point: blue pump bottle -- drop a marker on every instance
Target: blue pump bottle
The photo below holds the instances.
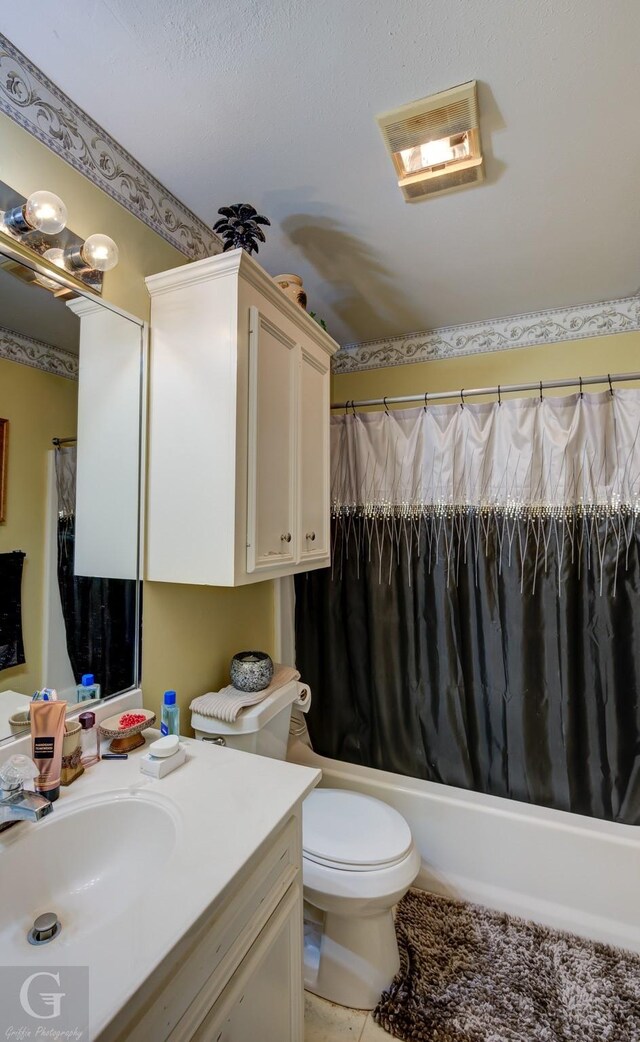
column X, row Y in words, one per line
column 170, row 722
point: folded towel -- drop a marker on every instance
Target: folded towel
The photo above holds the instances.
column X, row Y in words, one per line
column 227, row 703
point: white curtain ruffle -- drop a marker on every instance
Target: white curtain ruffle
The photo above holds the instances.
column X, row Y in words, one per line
column 550, row 455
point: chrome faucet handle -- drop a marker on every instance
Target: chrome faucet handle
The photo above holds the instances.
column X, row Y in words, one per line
column 15, row 772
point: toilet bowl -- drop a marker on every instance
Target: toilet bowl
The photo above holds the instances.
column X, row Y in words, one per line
column 359, row 859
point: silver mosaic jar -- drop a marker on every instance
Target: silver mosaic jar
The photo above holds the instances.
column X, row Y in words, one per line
column 251, row 671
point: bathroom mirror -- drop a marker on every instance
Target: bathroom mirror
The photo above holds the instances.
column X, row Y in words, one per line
column 71, row 392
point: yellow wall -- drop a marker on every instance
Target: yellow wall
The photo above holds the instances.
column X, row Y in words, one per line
column 592, row 357
column 39, row 407
column 189, row 633
column 194, row 632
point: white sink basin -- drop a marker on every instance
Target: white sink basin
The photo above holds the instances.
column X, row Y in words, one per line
column 88, row 862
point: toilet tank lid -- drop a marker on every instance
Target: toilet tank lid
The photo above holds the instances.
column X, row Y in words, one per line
column 349, row 828
column 254, row 717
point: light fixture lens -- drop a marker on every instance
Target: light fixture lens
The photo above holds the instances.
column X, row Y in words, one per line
column 100, row 253
column 435, row 153
column 45, row 212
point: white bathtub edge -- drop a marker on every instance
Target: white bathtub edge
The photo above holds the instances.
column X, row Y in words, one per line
column 561, row 870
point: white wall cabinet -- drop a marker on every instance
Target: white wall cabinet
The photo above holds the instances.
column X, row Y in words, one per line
column 238, row 479
column 108, row 460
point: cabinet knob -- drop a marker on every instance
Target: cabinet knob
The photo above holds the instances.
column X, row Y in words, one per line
column 286, row 538
column 311, row 536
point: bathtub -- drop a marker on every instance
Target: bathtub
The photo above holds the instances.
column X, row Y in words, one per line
column 562, row 870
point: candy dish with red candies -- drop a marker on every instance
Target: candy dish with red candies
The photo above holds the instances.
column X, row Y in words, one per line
column 125, row 729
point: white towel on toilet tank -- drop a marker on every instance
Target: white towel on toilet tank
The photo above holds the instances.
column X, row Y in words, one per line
column 227, row 703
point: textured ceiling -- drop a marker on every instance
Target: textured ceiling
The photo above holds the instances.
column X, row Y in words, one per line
column 274, row 102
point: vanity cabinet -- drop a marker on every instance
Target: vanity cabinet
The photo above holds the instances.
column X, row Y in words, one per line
column 260, row 1001
column 239, row 977
column 238, row 477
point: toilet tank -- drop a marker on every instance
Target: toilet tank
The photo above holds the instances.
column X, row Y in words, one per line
column 262, row 729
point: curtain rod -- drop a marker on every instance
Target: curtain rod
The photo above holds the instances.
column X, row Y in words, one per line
column 62, row 441
column 499, row 389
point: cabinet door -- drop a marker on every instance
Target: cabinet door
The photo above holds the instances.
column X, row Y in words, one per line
column 271, row 536
column 313, row 481
column 264, row 1000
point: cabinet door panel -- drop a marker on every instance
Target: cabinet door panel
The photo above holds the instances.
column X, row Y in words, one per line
column 271, row 537
column 314, row 455
column 264, row 998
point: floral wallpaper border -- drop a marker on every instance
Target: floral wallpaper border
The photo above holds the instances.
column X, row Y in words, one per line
column 16, row 347
column 29, row 98
column 539, row 327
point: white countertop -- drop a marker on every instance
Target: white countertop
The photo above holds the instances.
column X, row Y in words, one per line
column 224, row 805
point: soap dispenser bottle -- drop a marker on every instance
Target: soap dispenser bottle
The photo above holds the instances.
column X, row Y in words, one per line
column 88, row 688
column 170, row 723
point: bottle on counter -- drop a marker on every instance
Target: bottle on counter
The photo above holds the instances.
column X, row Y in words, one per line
column 88, row 688
column 89, row 739
column 170, row 721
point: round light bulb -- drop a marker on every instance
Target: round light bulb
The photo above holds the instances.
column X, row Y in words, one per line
column 100, row 253
column 54, row 256
column 45, row 212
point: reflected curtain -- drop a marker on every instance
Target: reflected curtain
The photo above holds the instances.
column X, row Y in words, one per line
column 11, row 640
column 99, row 613
column 480, row 624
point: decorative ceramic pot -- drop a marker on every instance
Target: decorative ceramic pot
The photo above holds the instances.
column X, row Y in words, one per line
column 292, row 286
column 71, row 754
column 20, row 720
column 251, row 671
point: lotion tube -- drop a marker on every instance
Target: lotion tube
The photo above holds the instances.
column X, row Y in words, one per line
column 47, row 734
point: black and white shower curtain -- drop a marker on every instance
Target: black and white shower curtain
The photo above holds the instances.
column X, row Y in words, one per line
column 480, row 624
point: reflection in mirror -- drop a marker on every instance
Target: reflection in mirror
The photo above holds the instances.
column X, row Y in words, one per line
column 70, row 391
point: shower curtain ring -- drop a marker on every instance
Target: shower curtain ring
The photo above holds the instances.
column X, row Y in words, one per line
column 581, row 392
column 610, row 384
column 462, row 398
column 499, row 396
column 541, row 397
column 425, row 400
column 386, row 407
column 353, row 407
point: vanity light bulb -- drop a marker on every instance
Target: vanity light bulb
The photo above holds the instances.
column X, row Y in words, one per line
column 45, row 212
column 100, row 253
column 55, row 256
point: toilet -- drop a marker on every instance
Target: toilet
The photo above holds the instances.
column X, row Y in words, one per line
column 359, row 859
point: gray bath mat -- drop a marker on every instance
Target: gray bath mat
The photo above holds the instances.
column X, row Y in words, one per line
column 469, row 974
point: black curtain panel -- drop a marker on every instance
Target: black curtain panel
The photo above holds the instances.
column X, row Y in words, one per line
column 459, row 667
column 100, row 619
column 11, row 642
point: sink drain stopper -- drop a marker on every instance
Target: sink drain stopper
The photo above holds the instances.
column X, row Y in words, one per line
column 45, row 928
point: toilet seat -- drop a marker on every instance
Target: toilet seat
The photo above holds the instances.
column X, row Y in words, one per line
column 351, row 832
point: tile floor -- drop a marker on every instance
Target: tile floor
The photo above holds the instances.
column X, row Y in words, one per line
column 326, row 1022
